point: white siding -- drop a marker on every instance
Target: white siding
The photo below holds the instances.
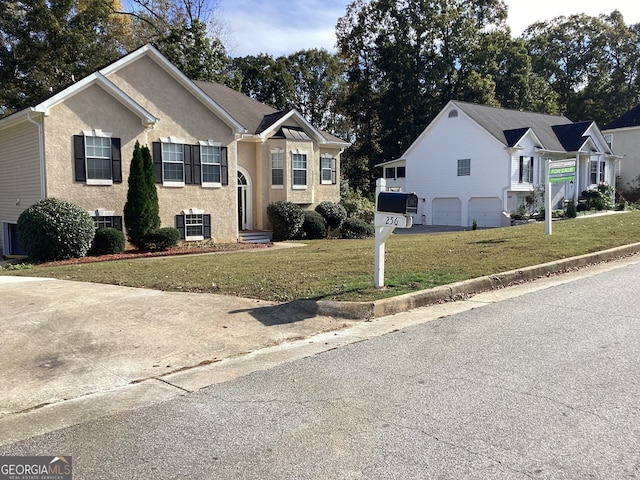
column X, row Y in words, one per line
column 627, row 143
column 19, row 170
column 432, row 163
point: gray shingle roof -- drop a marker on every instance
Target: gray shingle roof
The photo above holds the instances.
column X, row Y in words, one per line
column 248, row 112
column 255, row 116
column 505, row 125
column 628, row 119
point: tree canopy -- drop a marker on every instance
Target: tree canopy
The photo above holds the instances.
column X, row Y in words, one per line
column 398, row 62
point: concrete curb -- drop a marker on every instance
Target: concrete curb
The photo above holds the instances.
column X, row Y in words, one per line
column 459, row 290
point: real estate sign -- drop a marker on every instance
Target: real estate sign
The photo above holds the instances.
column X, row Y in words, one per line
column 562, row 171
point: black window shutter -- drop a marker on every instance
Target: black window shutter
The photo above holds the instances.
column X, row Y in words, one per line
column 206, row 226
column 521, row 167
column 224, row 167
column 180, row 225
column 116, row 160
column 117, row 222
column 334, row 171
column 196, row 169
column 157, row 161
column 78, row 156
column 188, row 171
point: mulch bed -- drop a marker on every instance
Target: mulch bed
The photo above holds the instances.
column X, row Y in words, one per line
column 133, row 254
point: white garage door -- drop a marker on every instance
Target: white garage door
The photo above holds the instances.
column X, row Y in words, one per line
column 486, row 211
column 446, row 211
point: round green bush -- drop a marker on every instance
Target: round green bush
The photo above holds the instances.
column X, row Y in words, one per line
column 53, row 229
column 333, row 214
column 313, row 226
column 161, row 239
column 356, row 228
column 286, row 219
column 107, row 241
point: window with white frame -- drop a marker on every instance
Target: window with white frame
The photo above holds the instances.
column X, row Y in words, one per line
column 401, row 172
column 597, row 172
column 98, row 158
column 277, row 168
column 210, row 160
column 526, row 170
column 464, row 167
column 326, row 169
column 389, row 172
column 105, row 219
column 299, row 169
column 193, row 224
column 173, row 163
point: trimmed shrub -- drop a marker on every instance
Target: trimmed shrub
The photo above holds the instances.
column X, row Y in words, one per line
column 356, row 228
column 286, row 219
column 53, row 229
column 313, row 225
column 161, row 239
column 333, row 214
column 571, row 211
column 107, row 241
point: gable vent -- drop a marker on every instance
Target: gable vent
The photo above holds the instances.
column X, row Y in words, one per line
column 453, row 113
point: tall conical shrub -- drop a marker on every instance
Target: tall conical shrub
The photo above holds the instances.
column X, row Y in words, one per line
column 141, row 212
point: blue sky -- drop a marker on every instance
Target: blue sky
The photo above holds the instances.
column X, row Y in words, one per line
column 281, row 27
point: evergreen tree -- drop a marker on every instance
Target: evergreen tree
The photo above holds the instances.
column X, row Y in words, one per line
column 141, row 210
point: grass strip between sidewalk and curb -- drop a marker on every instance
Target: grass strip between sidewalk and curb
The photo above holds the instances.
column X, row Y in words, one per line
column 342, row 270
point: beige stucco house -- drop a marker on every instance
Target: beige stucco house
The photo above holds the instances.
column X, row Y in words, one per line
column 220, row 157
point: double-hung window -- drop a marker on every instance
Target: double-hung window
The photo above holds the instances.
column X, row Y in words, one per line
column 193, row 224
column 390, row 172
column 327, row 169
column 597, row 175
column 464, row 167
column 210, row 159
column 173, row 163
column 299, row 169
column 277, row 168
column 98, row 155
column 97, row 158
column 526, row 170
column 105, row 219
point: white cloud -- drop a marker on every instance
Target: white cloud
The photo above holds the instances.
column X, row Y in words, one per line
column 281, row 27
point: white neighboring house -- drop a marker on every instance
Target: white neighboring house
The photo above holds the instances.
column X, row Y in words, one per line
column 623, row 135
column 475, row 162
column 394, row 172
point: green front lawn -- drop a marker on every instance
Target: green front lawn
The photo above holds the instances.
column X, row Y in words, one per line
column 343, row 269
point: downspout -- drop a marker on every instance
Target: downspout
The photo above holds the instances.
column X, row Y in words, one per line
column 41, row 153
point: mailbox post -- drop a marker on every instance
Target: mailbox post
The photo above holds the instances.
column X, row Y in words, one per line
column 393, row 210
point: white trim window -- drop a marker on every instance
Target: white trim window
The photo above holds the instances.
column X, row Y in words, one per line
column 193, row 224
column 299, row 170
column 172, row 162
column 464, row 167
column 277, row 168
column 526, row 170
column 326, row 169
column 211, row 161
column 98, row 158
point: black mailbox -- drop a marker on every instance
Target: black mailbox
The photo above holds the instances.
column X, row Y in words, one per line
column 396, row 202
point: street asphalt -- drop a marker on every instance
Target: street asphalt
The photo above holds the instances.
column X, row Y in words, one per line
column 76, row 351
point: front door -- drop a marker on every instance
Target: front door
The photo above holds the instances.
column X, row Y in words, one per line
column 243, row 202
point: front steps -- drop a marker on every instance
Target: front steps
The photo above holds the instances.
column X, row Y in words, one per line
column 255, row 236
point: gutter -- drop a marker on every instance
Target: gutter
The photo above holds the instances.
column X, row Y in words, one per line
column 41, row 153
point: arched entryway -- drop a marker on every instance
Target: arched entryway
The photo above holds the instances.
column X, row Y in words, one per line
column 245, row 220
